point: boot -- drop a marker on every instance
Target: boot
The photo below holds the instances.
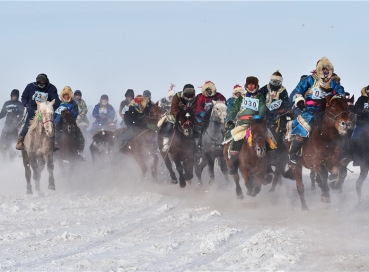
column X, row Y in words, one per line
column 165, row 144
column 295, row 147
column 19, row 145
column 268, row 175
column 234, row 163
column 56, row 146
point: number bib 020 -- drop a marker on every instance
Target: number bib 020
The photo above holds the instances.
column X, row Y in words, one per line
column 318, row 93
column 366, row 105
column 275, row 105
column 250, row 103
column 40, row 96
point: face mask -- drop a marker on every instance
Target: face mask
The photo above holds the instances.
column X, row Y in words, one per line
column 276, row 83
column 41, row 85
column 209, row 92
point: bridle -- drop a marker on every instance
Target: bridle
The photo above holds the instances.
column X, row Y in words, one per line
column 335, row 116
column 181, row 127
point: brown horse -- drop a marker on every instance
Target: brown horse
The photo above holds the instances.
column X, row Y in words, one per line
column 182, row 147
column 323, row 150
column 253, row 161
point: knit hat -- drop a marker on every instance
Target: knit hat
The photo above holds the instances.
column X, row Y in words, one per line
column 14, row 92
column 238, row 89
column 78, row 92
column 104, row 97
column 130, row 93
column 276, row 76
column 252, row 80
column 42, row 77
column 147, row 94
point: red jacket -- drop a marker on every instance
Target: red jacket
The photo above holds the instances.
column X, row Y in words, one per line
column 202, row 100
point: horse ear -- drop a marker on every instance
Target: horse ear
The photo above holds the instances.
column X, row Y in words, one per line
column 214, row 103
column 52, row 102
column 157, row 103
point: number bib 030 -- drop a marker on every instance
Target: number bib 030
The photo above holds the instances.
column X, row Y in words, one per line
column 250, row 103
column 275, row 105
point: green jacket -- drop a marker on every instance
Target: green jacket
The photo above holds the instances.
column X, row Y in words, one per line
column 82, row 110
column 239, row 109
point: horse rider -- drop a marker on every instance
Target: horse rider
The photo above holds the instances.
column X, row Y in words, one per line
column 310, row 93
column 166, row 101
column 104, row 114
column 236, row 93
column 41, row 90
column 13, row 110
column 181, row 101
column 133, row 119
column 247, row 106
column 82, row 119
column 204, row 106
column 68, row 104
column 361, row 108
column 123, row 107
column 147, row 94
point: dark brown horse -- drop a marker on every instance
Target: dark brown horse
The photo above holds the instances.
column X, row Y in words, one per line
column 182, row 147
column 323, row 150
column 253, row 161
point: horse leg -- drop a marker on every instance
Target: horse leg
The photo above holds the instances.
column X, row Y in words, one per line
column 168, row 164
column 211, row 168
column 312, row 178
column 224, row 169
column 188, row 169
column 139, row 159
column 27, row 168
column 337, row 184
column 359, row 183
column 179, row 167
column 276, row 178
column 323, row 173
column 50, row 169
column 297, row 173
column 236, row 179
column 36, row 172
column 200, row 167
column 154, row 167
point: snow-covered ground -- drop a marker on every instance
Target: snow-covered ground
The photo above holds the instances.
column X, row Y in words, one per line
column 104, row 220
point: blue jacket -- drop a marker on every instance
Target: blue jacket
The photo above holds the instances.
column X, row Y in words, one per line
column 107, row 115
column 29, row 102
column 230, row 102
column 70, row 106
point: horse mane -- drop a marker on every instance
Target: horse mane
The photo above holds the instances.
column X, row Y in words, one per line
column 34, row 122
column 45, row 106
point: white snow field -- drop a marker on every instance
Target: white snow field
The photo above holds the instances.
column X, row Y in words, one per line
column 105, row 220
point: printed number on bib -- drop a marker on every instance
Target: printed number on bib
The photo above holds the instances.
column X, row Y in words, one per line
column 318, row 93
column 40, row 96
column 250, row 103
column 60, row 109
column 366, row 105
column 275, row 105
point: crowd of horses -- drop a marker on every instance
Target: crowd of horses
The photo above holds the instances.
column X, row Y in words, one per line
column 327, row 150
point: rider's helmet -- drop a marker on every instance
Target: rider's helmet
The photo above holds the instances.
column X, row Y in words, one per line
column 208, row 89
column 188, row 92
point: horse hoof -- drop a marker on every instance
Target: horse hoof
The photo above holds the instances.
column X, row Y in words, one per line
column 251, row 194
column 325, row 199
column 271, row 190
column 29, row 192
column 211, row 182
column 51, row 187
column 240, row 197
column 268, row 180
column 333, row 185
column 182, row 184
column 174, row 181
column 304, row 208
column 188, row 182
column 40, row 194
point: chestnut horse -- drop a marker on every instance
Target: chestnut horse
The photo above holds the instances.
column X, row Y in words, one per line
column 182, row 147
column 322, row 152
column 253, row 161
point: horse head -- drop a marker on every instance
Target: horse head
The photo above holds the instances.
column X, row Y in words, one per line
column 45, row 114
column 68, row 122
column 185, row 122
column 337, row 113
column 219, row 111
column 259, row 134
column 153, row 113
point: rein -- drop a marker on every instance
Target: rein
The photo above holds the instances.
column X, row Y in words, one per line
column 52, row 121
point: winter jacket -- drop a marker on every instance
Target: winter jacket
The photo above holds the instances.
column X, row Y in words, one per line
column 82, row 111
column 276, row 101
column 230, row 103
column 361, row 104
column 133, row 117
column 205, row 103
column 103, row 113
column 28, row 98
column 66, row 106
column 13, row 110
column 179, row 102
column 241, row 111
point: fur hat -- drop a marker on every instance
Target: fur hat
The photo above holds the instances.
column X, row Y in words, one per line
column 66, row 90
column 170, row 93
column 364, row 91
column 139, row 103
column 238, row 89
column 15, row 92
column 252, row 80
column 324, row 63
column 104, row 97
column 130, row 93
column 42, row 77
column 208, row 85
column 276, row 76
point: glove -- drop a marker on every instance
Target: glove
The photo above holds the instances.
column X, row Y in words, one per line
column 301, row 105
column 229, row 124
column 257, row 117
column 208, row 106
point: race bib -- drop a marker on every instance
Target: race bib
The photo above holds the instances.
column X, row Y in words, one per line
column 60, row 109
column 250, row 103
column 275, row 105
column 366, row 105
column 318, row 93
column 40, row 96
column 125, row 109
column 10, row 108
column 103, row 111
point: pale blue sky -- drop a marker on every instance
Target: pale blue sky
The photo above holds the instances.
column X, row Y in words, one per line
column 107, row 47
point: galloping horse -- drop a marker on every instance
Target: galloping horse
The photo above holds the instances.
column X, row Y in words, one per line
column 182, row 147
column 39, row 145
column 212, row 142
column 253, row 161
column 323, row 150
